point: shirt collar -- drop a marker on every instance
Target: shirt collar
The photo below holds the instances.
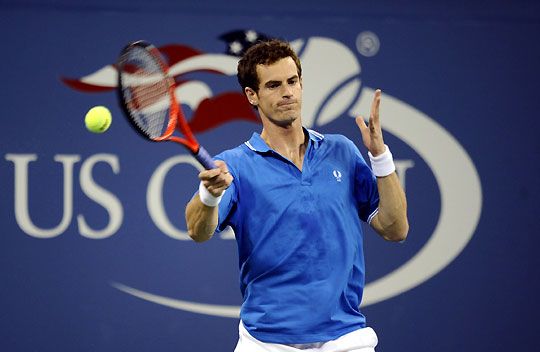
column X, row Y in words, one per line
column 257, row 144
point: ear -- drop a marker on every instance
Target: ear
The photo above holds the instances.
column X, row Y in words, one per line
column 252, row 96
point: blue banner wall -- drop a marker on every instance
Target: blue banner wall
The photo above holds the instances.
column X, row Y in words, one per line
column 94, row 254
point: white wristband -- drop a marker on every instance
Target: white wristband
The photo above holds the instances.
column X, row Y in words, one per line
column 382, row 165
column 207, row 198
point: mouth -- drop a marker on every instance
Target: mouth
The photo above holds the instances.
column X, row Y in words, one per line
column 287, row 103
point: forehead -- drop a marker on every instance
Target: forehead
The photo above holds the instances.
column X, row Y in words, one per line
column 280, row 70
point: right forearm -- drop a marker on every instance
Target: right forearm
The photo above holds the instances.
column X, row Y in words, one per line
column 201, row 220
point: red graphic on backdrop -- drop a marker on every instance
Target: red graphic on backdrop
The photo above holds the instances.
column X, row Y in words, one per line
column 210, row 112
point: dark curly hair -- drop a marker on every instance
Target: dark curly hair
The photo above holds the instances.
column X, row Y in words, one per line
column 263, row 53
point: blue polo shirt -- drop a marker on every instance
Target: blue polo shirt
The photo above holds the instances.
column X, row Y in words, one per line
column 299, row 237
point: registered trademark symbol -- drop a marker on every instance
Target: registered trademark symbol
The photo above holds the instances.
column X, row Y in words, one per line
column 367, row 43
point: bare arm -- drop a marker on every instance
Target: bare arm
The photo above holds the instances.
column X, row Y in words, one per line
column 201, row 219
column 391, row 220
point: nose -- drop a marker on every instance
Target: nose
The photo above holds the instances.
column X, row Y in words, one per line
column 286, row 91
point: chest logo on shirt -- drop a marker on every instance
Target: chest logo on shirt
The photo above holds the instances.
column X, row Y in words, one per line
column 337, row 175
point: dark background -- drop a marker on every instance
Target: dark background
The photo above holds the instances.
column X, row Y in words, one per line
column 470, row 66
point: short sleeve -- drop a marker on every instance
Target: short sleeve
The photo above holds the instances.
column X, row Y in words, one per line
column 227, row 208
column 366, row 193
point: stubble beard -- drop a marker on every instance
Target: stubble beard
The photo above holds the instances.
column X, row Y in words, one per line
column 285, row 119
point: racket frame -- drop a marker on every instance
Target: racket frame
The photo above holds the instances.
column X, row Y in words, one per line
column 177, row 120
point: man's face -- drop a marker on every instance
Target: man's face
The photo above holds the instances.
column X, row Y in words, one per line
column 279, row 98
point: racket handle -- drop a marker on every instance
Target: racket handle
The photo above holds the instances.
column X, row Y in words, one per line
column 205, row 159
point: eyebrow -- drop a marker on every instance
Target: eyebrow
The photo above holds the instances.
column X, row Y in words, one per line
column 269, row 83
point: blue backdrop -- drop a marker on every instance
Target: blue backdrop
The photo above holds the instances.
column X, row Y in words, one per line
column 93, row 251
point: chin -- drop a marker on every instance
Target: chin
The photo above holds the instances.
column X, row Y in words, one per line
column 287, row 120
column 283, row 118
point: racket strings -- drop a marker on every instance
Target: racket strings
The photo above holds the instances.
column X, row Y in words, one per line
column 152, row 107
column 146, row 90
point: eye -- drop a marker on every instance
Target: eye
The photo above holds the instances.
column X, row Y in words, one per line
column 293, row 81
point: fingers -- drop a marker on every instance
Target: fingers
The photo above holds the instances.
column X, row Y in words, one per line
column 220, row 169
column 216, row 180
column 222, row 166
column 374, row 114
column 209, row 174
column 376, row 101
column 364, row 131
column 361, row 123
column 371, row 132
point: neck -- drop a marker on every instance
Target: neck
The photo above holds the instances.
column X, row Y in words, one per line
column 288, row 141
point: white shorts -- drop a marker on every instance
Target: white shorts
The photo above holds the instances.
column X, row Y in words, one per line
column 361, row 340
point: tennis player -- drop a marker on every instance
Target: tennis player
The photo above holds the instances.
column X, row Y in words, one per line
column 295, row 199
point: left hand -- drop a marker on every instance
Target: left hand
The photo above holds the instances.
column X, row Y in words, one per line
column 372, row 133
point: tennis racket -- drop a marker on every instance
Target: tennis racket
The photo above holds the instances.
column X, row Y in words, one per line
column 147, row 97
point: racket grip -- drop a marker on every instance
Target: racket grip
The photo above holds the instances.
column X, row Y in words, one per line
column 205, row 159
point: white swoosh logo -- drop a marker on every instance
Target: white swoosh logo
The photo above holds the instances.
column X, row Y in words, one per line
column 208, row 309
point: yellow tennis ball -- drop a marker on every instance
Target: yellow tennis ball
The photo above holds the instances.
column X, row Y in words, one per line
column 98, row 119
